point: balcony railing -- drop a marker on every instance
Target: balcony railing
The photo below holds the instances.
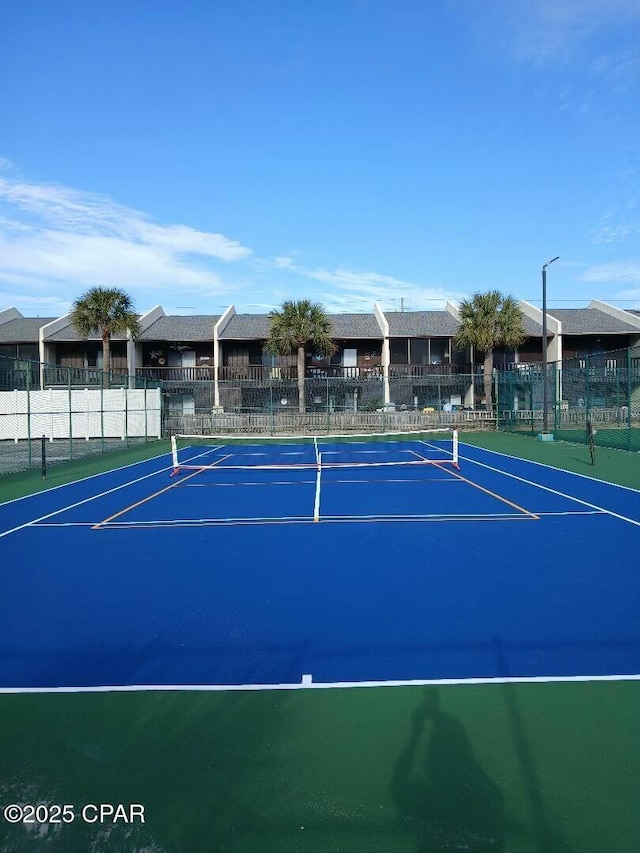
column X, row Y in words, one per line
column 256, row 372
column 418, row 371
column 277, row 372
column 82, row 377
column 176, row 374
column 262, row 373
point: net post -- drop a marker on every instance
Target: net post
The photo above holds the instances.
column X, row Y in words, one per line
column 69, row 398
column 43, row 456
column 28, row 387
column 174, row 456
column 316, row 504
column 454, row 448
column 591, row 442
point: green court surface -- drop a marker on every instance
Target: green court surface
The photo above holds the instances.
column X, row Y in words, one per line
column 497, row 767
column 533, row 767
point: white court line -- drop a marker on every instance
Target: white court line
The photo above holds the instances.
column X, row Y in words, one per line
column 553, row 491
column 306, row 519
column 316, row 502
column 307, row 683
column 35, row 521
column 247, row 483
column 186, row 522
column 552, row 467
column 89, row 477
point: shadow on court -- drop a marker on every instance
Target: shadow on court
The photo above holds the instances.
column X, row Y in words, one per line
column 441, row 790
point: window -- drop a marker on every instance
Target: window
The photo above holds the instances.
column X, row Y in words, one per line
column 419, row 351
column 399, row 350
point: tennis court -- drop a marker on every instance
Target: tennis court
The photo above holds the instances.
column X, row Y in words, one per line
column 233, row 596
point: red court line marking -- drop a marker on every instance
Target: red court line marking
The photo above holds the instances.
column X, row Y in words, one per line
column 148, row 498
column 555, row 491
column 489, row 492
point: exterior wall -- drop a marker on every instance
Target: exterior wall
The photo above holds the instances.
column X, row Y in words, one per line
column 28, row 352
column 157, row 353
column 89, row 354
column 574, row 346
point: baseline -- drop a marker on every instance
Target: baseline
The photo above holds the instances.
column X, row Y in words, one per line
column 307, row 683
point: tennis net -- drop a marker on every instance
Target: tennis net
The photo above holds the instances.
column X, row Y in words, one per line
column 197, row 452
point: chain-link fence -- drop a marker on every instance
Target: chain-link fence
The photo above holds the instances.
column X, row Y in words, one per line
column 330, row 404
column 78, row 411
column 602, row 389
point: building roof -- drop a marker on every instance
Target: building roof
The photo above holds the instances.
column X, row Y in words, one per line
column 242, row 327
column 590, row 321
column 433, row 324
column 532, row 328
column 354, row 326
column 23, row 330
column 70, row 333
column 348, row 326
column 198, row 327
column 426, row 324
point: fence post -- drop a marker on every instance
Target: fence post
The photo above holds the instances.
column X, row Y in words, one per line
column 328, row 406
column 629, row 395
column 146, row 419
column 126, row 417
column 28, row 389
column 70, row 416
column 556, row 399
column 587, row 389
column 271, row 409
column 102, row 411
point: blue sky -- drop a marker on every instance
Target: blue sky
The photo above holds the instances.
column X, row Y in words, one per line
column 348, row 151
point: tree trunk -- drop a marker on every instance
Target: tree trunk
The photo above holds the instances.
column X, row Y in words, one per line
column 106, row 359
column 488, row 380
column 301, row 401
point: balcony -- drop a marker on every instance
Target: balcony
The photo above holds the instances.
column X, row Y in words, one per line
column 256, row 372
column 423, row 371
column 290, row 372
column 82, row 377
column 176, row 374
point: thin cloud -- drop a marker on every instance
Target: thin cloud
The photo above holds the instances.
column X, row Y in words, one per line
column 629, row 273
column 358, row 290
column 57, row 237
column 31, row 305
column 548, row 32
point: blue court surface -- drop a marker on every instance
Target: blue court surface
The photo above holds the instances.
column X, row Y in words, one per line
column 256, row 572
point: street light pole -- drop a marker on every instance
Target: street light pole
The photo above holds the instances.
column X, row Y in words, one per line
column 545, row 382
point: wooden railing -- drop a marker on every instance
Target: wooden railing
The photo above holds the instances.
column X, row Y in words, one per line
column 82, row 377
column 176, row 374
column 416, row 371
column 256, row 372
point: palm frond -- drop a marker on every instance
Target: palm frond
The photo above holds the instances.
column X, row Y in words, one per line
column 105, row 310
column 489, row 320
column 299, row 324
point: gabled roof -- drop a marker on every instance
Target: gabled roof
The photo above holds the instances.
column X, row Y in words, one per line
column 23, row 330
column 243, row 327
column 532, row 328
column 354, row 326
column 198, row 327
column 426, row 324
column 70, row 333
column 590, row 321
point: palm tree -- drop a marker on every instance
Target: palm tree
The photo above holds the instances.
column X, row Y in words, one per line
column 295, row 327
column 489, row 320
column 108, row 311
